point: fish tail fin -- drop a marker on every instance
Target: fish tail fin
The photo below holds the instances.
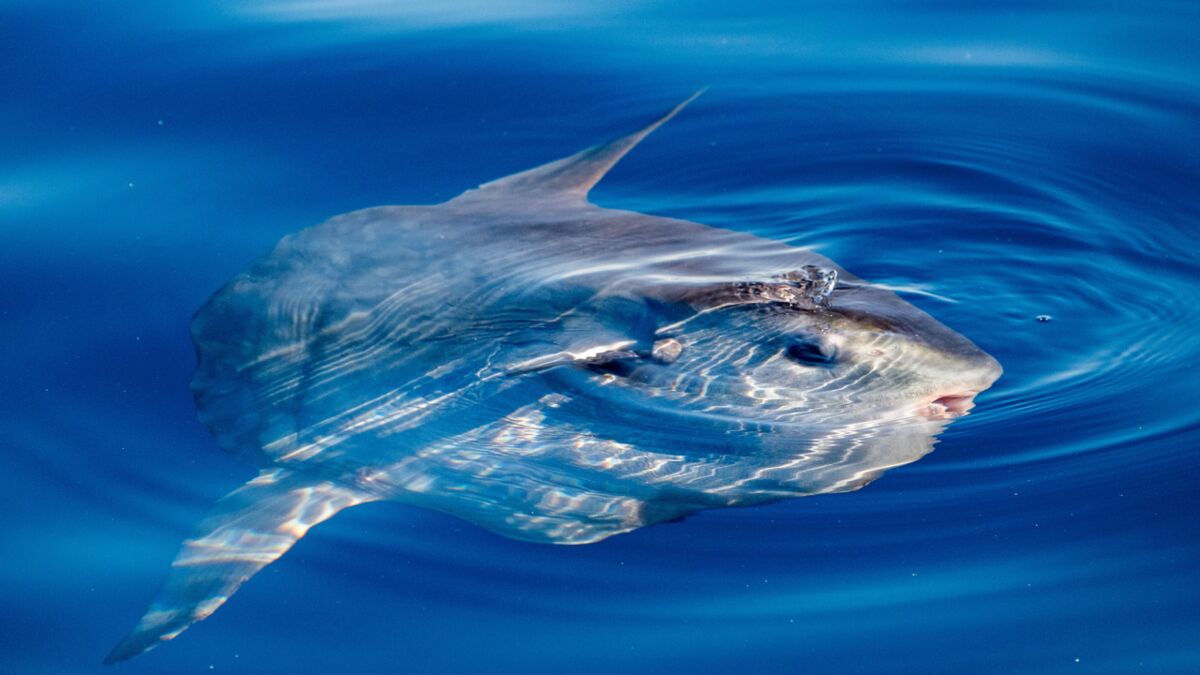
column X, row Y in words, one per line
column 246, row 531
column 574, row 176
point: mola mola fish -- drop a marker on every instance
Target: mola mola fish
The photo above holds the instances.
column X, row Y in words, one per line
column 548, row 369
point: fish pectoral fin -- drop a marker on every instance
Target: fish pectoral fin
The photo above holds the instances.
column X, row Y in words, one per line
column 247, row 530
column 583, row 356
column 606, row 328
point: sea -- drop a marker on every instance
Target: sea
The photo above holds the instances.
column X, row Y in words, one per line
column 1026, row 172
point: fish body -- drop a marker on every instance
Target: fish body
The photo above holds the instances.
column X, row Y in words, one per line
column 546, row 368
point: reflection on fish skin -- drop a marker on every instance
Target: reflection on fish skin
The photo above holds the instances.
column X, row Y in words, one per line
column 548, row 369
column 532, row 461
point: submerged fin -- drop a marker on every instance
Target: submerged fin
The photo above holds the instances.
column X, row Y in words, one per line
column 585, row 356
column 574, row 176
column 247, row 530
column 603, row 329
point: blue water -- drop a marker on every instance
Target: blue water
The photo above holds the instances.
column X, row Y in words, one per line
column 998, row 164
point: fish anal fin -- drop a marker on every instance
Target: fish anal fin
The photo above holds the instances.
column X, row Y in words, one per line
column 247, row 530
column 572, row 177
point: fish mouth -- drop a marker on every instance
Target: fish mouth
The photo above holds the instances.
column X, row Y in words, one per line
column 949, row 406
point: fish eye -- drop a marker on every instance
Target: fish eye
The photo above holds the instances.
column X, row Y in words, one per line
column 809, row 353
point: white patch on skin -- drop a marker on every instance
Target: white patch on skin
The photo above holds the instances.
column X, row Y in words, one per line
column 667, row 351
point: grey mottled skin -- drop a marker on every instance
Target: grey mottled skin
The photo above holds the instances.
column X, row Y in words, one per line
column 548, row 369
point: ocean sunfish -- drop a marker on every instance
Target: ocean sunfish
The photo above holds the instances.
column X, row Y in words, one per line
column 548, row 369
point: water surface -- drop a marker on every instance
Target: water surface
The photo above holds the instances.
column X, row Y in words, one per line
column 992, row 165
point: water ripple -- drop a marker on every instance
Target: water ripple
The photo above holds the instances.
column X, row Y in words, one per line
column 1038, row 162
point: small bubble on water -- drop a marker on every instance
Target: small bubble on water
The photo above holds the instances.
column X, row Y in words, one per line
column 1043, row 318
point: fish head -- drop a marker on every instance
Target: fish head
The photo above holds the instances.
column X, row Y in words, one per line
column 907, row 358
column 803, row 345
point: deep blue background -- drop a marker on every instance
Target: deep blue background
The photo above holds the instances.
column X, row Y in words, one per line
column 1001, row 163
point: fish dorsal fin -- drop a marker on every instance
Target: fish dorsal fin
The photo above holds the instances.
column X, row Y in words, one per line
column 572, row 177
